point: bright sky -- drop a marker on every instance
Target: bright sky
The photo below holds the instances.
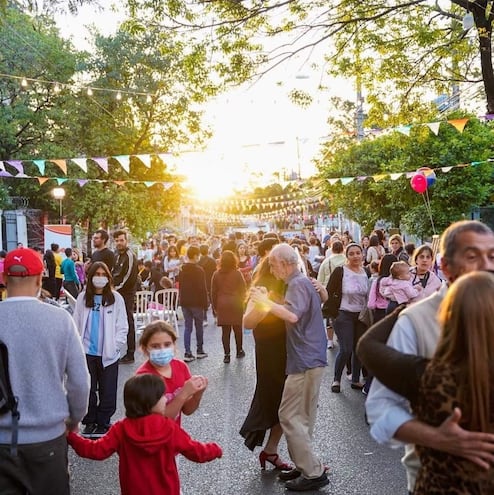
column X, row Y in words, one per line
column 246, row 122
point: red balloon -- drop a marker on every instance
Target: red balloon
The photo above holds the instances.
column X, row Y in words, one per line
column 419, row 183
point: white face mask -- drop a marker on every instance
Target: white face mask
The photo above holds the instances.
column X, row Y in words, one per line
column 100, row 282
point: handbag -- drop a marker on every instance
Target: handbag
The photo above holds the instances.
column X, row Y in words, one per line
column 366, row 316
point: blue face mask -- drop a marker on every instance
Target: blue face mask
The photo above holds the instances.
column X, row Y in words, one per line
column 161, row 357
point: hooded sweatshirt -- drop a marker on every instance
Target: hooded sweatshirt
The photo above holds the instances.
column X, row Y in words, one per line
column 147, row 447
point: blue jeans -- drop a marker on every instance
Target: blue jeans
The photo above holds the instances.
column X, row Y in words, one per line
column 345, row 326
column 196, row 316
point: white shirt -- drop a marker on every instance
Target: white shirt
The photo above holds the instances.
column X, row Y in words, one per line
column 386, row 410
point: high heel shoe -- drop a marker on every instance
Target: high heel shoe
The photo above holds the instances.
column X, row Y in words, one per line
column 275, row 460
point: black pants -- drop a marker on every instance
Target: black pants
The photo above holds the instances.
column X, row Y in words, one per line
column 38, row 469
column 58, row 287
column 103, row 392
column 129, row 306
column 225, row 337
column 71, row 288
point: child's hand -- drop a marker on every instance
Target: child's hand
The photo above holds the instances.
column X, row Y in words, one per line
column 195, row 384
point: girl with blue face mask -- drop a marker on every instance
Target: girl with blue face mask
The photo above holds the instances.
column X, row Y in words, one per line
column 183, row 391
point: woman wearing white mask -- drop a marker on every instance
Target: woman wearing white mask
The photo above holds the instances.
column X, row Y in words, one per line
column 101, row 319
column 183, row 391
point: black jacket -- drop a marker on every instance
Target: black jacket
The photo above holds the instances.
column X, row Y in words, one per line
column 125, row 272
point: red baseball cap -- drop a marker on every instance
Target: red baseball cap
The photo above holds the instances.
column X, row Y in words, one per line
column 23, row 262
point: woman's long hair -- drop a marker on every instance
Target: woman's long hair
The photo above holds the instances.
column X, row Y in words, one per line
column 228, row 261
column 467, row 343
column 108, row 297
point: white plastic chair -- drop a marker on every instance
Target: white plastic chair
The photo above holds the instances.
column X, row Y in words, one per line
column 141, row 315
column 168, row 300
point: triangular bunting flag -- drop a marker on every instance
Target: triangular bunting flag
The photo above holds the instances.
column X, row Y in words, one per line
column 119, row 182
column 361, row 178
column 82, row 182
column 379, row 177
column 4, row 173
column 404, row 129
column 41, row 166
column 395, row 176
column 167, row 185
column 42, row 180
column 458, row 124
column 333, row 181
column 62, row 164
column 434, row 127
column 124, row 161
column 149, row 183
column 446, row 169
column 409, row 175
column 81, row 163
column 17, row 164
column 102, row 162
column 145, row 159
column 346, row 180
column 2, row 166
column 60, row 181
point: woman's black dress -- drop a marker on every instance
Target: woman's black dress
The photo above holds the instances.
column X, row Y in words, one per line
column 270, row 339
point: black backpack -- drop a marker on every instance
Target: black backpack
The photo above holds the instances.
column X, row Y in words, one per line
column 8, row 401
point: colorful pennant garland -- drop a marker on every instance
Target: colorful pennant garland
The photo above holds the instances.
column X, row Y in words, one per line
column 394, row 176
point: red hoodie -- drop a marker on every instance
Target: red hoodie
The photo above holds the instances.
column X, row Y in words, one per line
column 147, row 447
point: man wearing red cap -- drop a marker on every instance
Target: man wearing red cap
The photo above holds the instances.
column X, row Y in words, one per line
column 49, row 376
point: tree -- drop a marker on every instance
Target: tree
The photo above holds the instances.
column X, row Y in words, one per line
column 451, row 198
column 398, row 48
column 159, row 78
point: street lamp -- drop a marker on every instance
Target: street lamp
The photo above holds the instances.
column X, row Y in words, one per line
column 59, row 193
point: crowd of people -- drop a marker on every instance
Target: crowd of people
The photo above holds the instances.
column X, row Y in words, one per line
column 423, row 364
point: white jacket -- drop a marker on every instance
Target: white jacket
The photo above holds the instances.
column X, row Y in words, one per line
column 115, row 325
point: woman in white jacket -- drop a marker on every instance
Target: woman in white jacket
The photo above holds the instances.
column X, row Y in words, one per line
column 101, row 319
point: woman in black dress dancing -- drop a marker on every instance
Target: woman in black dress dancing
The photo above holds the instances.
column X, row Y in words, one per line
column 269, row 335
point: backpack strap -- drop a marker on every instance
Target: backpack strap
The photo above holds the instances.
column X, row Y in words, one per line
column 8, row 402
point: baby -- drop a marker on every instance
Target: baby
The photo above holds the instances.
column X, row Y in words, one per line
column 398, row 288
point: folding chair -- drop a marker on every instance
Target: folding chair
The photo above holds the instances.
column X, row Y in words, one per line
column 141, row 315
column 168, row 300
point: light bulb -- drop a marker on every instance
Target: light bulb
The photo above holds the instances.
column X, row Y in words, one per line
column 89, row 92
column 56, row 88
column 24, row 82
column 118, row 95
column 468, row 21
column 148, row 98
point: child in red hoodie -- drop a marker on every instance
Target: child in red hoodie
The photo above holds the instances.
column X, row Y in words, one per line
column 146, row 441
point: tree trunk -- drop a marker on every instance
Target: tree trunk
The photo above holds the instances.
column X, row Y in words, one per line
column 484, row 29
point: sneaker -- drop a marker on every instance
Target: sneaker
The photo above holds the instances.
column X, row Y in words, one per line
column 188, row 357
column 127, row 359
column 88, row 429
column 241, row 354
column 205, row 323
column 348, row 376
column 226, row 359
column 100, row 431
column 201, row 354
column 302, row 484
column 330, row 344
column 336, row 387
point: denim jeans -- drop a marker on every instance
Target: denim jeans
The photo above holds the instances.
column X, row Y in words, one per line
column 345, row 327
column 193, row 316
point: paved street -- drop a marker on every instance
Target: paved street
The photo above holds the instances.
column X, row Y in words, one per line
column 358, row 465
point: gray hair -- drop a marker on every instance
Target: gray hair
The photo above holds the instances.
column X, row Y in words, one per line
column 284, row 252
column 449, row 239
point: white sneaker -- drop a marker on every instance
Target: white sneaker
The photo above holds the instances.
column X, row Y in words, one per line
column 330, row 344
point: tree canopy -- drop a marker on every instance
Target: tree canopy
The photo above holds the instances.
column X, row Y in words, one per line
column 159, row 79
column 452, row 196
column 399, row 49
